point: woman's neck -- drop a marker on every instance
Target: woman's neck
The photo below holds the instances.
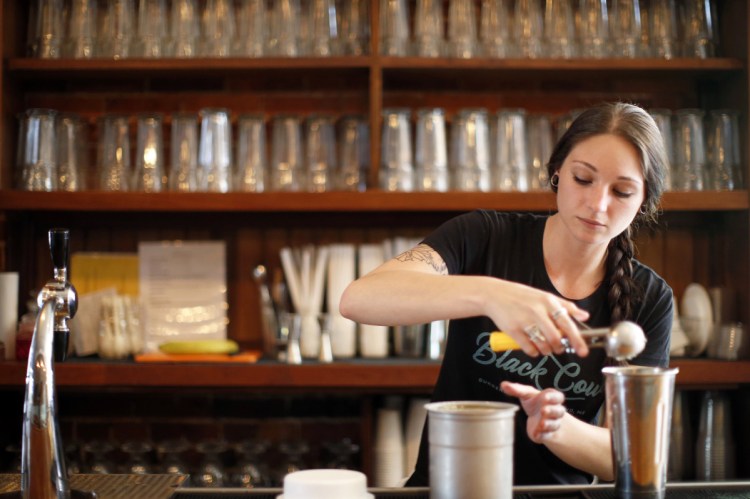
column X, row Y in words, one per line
column 575, row 269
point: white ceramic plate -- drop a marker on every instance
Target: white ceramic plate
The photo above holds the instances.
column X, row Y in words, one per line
column 696, row 318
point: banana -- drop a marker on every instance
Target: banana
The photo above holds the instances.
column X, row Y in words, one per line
column 200, row 346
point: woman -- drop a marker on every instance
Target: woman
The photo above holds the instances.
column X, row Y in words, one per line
column 530, row 275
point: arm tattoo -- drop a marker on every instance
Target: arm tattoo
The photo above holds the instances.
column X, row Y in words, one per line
column 424, row 253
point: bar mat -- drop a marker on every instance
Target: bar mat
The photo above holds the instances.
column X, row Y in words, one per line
column 112, row 486
column 423, row 493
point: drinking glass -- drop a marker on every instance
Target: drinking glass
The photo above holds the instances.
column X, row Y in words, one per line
column 355, row 27
column 72, row 458
column 49, row 29
column 528, row 27
column 394, row 27
column 539, row 133
column 594, row 29
column 251, row 28
column 71, row 153
column 183, row 174
column 170, row 454
column 114, row 153
column 320, row 153
column 690, row 150
column 559, row 29
column 323, row 35
column 727, row 341
column 428, row 28
column 462, row 29
column 218, row 28
column 698, row 28
column 215, row 151
column 251, row 154
column 37, row 150
column 117, row 25
column 251, row 471
column 510, row 159
column 662, row 20
column 15, row 460
column 680, row 464
column 470, row 151
column 293, row 453
column 342, row 453
column 663, row 119
column 722, row 150
column 284, row 39
column 149, row 156
column 151, row 37
column 185, row 28
column 495, row 28
column 211, row 472
column 98, row 461
column 80, row 40
column 287, row 168
column 354, row 153
column 396, row 170
column 714, row 448
column 625, row 23
column 431, row 174
column 138, row 462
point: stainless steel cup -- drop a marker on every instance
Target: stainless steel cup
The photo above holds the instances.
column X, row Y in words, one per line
column 471, row 449
column 639, row 415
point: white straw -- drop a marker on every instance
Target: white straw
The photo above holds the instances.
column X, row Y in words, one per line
column 287, row 262
column 316, row 300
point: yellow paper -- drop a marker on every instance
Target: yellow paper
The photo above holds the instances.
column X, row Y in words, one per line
column 91, row 272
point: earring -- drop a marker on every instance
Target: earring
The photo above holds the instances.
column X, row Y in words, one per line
column 554, row 180
column 643, row 210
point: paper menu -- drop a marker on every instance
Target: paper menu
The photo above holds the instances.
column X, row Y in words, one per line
column 183, row 291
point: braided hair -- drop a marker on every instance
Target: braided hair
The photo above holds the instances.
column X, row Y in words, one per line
column 638, row 128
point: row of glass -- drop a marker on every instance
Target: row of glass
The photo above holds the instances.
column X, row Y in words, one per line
column 246, row 463
column 291, row 28
column 53, row 153
column 505, row 152
column 86, row 29
column 551, row 28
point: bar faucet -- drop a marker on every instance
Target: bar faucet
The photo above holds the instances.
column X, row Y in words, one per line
column 43, row 472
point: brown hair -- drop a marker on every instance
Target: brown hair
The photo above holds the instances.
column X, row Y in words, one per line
column 636, row 126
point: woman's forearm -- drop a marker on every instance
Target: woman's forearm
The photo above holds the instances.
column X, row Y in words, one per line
column 402, row 297
column 583, row 446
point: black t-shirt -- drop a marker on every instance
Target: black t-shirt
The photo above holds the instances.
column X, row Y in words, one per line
column 509, row 246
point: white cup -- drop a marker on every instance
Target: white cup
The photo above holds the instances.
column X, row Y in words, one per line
column 325, row 484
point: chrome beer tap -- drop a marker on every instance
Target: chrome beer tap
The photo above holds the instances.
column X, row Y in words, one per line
column 43, row 472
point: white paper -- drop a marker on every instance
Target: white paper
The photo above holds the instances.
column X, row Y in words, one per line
column 183, row 291
column 9, row 312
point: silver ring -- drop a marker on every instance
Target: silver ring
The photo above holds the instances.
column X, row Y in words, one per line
column 557, row 313
column 534, row 333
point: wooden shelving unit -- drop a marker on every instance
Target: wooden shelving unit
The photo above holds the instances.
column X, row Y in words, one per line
column 365, row 377
column 704, row 236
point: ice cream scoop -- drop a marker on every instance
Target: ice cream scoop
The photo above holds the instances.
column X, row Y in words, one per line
column 622, row 341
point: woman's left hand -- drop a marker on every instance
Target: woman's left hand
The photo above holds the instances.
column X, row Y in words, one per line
column 544, row 409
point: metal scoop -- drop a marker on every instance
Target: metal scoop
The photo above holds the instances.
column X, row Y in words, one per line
column 623, row 341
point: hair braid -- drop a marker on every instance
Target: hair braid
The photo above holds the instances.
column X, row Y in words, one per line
column 624, row 291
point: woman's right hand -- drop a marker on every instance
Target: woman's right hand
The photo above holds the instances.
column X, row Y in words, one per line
column 536, row 319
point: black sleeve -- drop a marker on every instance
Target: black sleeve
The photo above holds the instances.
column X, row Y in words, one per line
column 655, row 317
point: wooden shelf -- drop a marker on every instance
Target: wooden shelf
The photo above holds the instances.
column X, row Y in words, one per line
column 371, row 201
column 393, row 375
column 28, row 65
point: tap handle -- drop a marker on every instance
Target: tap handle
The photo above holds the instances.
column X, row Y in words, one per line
column 59, row 246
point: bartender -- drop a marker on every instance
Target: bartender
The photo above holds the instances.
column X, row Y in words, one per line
column 529, row 275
